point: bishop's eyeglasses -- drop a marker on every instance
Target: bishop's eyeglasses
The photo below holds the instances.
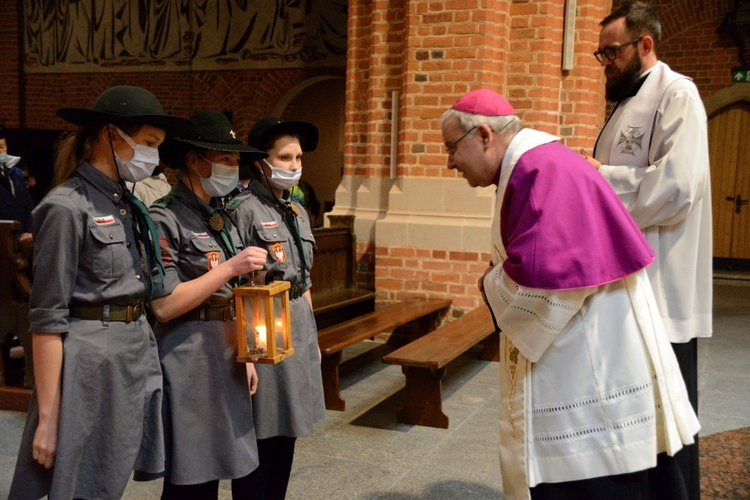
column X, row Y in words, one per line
column 451, row 147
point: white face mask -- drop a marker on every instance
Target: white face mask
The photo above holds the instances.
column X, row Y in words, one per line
column 222, row 181
column 145, row 160
column 282, row 178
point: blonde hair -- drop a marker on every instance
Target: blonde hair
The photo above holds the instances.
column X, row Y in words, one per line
column 69, row 151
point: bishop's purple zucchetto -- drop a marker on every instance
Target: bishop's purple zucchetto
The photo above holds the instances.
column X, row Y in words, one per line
column 484, row 102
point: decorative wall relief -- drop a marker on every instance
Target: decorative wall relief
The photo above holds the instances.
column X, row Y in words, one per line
column 64, row 36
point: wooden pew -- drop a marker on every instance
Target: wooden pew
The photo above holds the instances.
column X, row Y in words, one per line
column 15, row 289
column 408, row 319
column 336, row 296
column 423, row 362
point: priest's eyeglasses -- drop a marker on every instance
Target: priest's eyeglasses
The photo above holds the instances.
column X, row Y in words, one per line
column 451, row 147
column 610, row 53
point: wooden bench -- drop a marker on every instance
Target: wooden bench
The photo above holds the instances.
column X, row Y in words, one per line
column 336, row 296
column 408, row 319
column 423, row 362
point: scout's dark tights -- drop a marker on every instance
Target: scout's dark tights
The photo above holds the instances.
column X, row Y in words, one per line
column 268, row 482
column 241, row 489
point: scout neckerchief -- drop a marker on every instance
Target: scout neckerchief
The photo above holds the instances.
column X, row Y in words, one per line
column 145, row 230
column 290, row 217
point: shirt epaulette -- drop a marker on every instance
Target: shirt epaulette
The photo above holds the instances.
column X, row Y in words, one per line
column 234, row 203
column 163, row 202
column 66, row 188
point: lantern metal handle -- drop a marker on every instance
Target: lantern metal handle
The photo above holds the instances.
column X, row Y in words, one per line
column 260, row 278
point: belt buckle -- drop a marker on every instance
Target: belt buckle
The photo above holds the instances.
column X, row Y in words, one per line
column 133, row 312
column 229, row 311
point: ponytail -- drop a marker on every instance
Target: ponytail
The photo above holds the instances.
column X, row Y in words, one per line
column 70, row 150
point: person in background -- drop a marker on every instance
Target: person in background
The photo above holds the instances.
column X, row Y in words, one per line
column 15, row 201
column 152, row 188
column 95, row 413
column 289, row 400
column 653, row 150
column 590, row 390
column 304, row 194
column 208, row 412
column 246, row 175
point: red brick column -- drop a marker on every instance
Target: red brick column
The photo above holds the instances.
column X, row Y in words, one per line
column 450, row 48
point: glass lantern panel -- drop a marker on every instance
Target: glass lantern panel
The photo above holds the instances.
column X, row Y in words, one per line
column 255, row 328
column 278, row 321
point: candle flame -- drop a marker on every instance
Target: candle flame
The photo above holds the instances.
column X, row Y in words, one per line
column 260, row 336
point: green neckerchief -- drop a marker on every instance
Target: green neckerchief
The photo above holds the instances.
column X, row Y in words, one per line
column 290, row 218
column 146, row 232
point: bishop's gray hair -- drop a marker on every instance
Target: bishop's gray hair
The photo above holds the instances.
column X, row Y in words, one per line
column 509, row 125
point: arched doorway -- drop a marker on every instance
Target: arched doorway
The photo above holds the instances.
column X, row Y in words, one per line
column 729, row 130
column 320, row 101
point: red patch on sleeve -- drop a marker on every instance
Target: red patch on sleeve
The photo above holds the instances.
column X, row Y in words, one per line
column 166, row 256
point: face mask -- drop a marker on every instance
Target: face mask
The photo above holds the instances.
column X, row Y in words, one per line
column 282, row 178
column 144, row 161
column 3, row 157
column 222, row 181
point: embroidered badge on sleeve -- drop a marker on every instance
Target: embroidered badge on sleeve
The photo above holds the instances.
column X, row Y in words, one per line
column 166, row 256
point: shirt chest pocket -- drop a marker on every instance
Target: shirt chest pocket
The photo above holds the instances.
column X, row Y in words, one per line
column 110, row 256
column 277, row 241
column 203, row 255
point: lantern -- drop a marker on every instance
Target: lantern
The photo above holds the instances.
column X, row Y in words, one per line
column 264, row 331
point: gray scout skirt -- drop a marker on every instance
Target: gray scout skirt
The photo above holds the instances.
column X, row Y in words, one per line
column 110, row 415
column 289, row 399
column 208, row 414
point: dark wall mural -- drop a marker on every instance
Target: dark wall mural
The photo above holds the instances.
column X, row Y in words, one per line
column 162, row 35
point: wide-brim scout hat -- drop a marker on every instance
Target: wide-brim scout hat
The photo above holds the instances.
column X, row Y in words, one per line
column 126, row 105
column 213, row 130
column 271, row 126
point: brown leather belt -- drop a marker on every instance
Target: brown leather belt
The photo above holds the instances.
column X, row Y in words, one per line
column 113, row 312
column 210, row 313
column 296, row 291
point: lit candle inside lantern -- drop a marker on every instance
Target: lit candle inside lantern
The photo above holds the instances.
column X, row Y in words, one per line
column 260, row 337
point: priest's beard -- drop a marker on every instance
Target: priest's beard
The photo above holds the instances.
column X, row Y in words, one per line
column 620, row 87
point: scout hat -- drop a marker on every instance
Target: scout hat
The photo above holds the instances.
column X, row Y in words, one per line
column 271, row 126
column 484, row 102
column 213, row 130
column 125, row 104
